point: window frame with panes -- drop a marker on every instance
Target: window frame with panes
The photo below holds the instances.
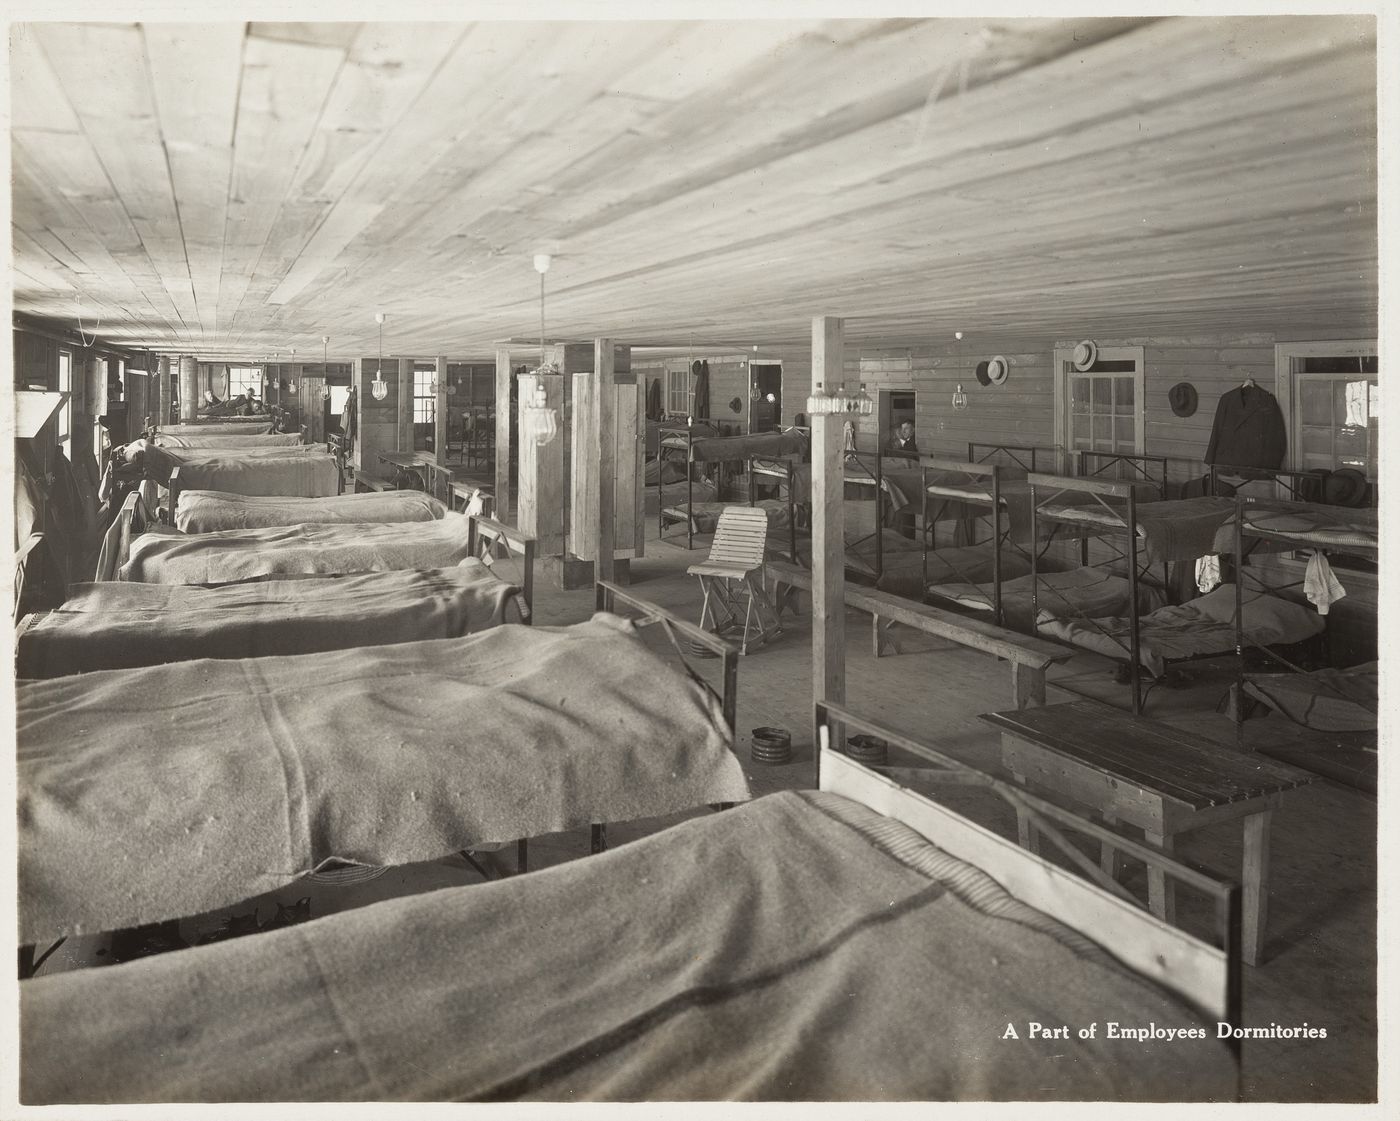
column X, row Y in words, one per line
column 1109, row 397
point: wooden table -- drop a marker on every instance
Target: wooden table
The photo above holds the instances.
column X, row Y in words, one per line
column 1162, row 780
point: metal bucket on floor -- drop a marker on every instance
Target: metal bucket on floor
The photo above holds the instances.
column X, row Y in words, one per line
column 869, row 750
column 771, row 746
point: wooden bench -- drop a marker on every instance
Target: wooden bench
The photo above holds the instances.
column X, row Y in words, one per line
column 1162, row 780
column 1028, row 656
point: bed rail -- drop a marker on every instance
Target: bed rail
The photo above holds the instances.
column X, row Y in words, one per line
column 1130, row 468
column 607, row 597
column 1205, row 975
column 131, row 521
column 485, row 534
column 1026, row 456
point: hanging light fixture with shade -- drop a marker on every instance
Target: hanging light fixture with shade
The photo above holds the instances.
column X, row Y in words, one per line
column 379, row 387
column 959, row 397
column 538, row 419
column 292, row 385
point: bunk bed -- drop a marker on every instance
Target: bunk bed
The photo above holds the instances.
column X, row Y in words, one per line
column 370, row 756
column 861, row 886
column 117, row 625
column 699, row 447
column 1326, row 699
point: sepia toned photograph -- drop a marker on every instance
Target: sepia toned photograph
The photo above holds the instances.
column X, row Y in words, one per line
column 696, row 555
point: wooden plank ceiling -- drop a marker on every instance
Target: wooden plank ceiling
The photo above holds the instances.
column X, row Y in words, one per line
column 237, row 189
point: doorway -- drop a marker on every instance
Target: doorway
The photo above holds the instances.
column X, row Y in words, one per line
column 896, row 407
column 766, row 396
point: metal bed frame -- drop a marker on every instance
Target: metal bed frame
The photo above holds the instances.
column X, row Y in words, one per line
column 1243, row 642
column 976, row 472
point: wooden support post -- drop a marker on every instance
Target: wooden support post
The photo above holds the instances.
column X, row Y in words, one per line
column 403, row 435
column 189, row 390
column 505, row 426
column 1027, row 685
column 440, row 414
column 360, row 384
column 828, row 528
column 605, row 396
column 1256, row 884
column 161, row 404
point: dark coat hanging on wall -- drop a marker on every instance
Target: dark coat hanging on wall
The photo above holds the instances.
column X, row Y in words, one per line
column 701, row 404
column 654, row 399
column 1248, row 431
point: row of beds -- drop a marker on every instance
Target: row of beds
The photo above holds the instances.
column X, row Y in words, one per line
column 1115, row 602
column 1129, row 537
column 185, row 744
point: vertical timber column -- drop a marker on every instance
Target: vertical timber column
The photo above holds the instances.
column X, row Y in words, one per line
column 605, row 424
column 440, row 414
column 159, row 381
column 360, row 382
column 505, row 422
column 403, row 436
column 189, row 390
column 828, row 527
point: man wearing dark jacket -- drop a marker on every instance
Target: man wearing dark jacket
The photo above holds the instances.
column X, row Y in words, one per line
column 1249, row 430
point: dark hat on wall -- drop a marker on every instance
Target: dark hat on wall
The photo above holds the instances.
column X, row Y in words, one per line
column 1183, row 398
column 982, row 376
column 1344, row 487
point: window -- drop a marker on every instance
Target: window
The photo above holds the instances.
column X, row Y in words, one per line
column 245, row 380
column 1336, row 415
column 1101, row 409
column 65, row 414
column 424, row 396
column 678, row 394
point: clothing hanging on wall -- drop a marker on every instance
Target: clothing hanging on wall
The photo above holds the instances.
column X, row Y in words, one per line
column 1248, row 430
column 654, row 411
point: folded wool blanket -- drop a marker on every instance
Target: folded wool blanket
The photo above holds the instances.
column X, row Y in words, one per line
column 228, row 556
column 114, row 625
column 801, row 947
column 208, row 511
column 714, row 448
column 230, row 441
column 146, row 794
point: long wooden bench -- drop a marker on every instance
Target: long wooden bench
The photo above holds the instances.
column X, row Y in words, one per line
column 1029, row 657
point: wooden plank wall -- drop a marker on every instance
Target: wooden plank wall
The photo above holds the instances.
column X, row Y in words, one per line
column 36, row 362
column 378, row 419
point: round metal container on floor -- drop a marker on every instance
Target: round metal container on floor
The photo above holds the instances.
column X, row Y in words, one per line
column 771, row 746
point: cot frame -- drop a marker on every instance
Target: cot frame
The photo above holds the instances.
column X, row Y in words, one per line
column 175, row 485
column 1243, row 642
column 931, row 515
column 782, row 471
column 1207, row 977
column 485, row 534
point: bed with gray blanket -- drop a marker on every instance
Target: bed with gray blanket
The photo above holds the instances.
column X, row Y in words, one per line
column 147, row 794
column 208, row 511
column 714, row 960
column 112, row 625
column 229, row 556
column 300, row 470
column 229, row 441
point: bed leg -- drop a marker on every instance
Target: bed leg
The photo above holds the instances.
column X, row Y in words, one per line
column 875, row 636
column 522, row 856
column 1161, row 893
column 599, row 838
column 1027, row 685
column 1026, row 835
column 1108, row 854
column 1255, row 905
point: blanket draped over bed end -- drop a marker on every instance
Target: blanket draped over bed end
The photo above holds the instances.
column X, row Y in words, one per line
column 113, row 625
column 147, row 794
column 208, row 511
column 312, row 549
column 797, row 948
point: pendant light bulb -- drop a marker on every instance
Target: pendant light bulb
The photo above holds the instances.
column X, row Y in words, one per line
column 379, row 388
column 542, row 263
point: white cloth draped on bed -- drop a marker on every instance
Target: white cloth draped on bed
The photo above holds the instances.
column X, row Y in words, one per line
column 208, row 511
column 112, row 625
column 800, row 947
column 1202, row 626
column 146, row 794
column 231, row 555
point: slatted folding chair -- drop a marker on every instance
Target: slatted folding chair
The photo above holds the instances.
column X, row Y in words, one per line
column 733, row 572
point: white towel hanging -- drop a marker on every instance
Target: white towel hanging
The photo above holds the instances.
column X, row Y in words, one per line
column 1320, row 583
